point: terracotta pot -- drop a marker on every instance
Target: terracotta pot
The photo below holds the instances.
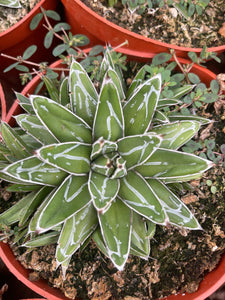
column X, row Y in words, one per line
column 84, row 20
column 15, row 40
column 208, row 286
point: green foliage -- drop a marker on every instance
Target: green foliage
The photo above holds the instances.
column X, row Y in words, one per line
column 10, row 3
column 99, row 162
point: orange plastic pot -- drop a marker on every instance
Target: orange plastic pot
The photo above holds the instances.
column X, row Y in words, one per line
column 84, row 20
column 15, row 40
column 211, row 282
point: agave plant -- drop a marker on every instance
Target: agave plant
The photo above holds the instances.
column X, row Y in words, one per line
column 98, row 164
column 10, row 3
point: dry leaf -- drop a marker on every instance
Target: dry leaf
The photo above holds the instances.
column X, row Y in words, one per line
column 222, row 30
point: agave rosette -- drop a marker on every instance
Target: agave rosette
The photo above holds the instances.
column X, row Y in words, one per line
column 97, row 165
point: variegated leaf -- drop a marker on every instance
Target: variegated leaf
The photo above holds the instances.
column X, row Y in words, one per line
column 177, row 212
column 42, row 240
column 61, row 122
column 120, row 168
column 181, row 91
column 103, row 190
column 75, row 231
column 35, row 128
column 151, row 227
column 83, row 96
column 140, row 108
column 138, row 148
column 165, row 102
column 202, row 120
column 116, row 227
column 104, row 164
column 176, row 134
column 101, row 147
column 51, row 88
column 117, row 81
column 161, row 117
column 139, row 242
column 138, row 79
column 22, row 188
column 137, row 194
column 108, row 122
column 70, row 197
column 73, row 158
column 10, row 3
column 25, row 103
column 32, row 170
column 174, row 165
column 64, row 97
column 14, row 142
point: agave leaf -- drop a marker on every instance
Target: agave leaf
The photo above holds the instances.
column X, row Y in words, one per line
column 139, row 242
column 202, row 120
column 138, row 148
column 51, row 88
column 61, row 122
column 73, row 158
column 98, row 239
column 64, row 98
column 75, row 231
column 107, row 62
column 42, row 240
column 174, row 165
column 70, row 197
column 25, row 103
column 138, row 79
column 32, row 170
column 22, row 188
column 104, row 164
column 140, row 108
column 34, row 203
column 150, row 229
column 137, row 194
column 117, row 81
column 10, row 3
column 161, row 117
column 102, row 189
column 176, row 134
column 116, row 227
column 181, row 91
column 101, row 147
column 14, row 142
column 120, row 168
column 177, row 212
column 35, row 128
column 5, row 153
column 108, row 122
column 165, row 102
column 12, row 215
column 83, row 95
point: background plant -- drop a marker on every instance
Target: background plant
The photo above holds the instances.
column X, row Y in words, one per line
column 99, row 163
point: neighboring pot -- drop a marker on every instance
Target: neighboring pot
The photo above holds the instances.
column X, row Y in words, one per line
column 99, row 30
column 15, row 40
column 211, row 282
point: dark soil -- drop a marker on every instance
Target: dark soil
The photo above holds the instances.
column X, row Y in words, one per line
column 167, row 25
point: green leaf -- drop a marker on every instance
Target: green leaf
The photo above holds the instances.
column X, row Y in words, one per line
column 108, row 122
column 58, row 50
column 116, row 227
column 75, row 231
column 139, row 242
column 70, row 197
column 193, row 78
column 181, row 91
column 161, row 58
column 138, row 148
column 29, row 52
column 53, row 15
column 22, row 188
column 72, row 157
column 140, row 108
column 51, row 88
column 61, row 122
column 42, row 240
column 161, row 117
column 176, row 134
column 33, row 126
column 116, row 80
column 14, row 142
column 180, row 117
column 83, row 95
column 64, row 98
column 103, row 190
column 137, row 194
column 177, row 212
column 36, row 21
column 32, row 170
column 174, row 165
column 167, row 102
column 138, row 79
column 10, row 3
column 104, row 164
column 25, row 103
column 98, row 239
column 62, row 25
column 10, row 67
column 101, row 147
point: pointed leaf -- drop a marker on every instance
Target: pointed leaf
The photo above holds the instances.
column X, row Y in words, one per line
column 108, row 122
column 138, row 79
column 116, row 80
column 14, row 142
column 174, row 165
column 138, row 148
column 116, row 227
column 104, row 164
column 176, row 134
column 137, row 194
column 61, row 122
column 101, row 147
column 120, row 168
column 25, row 103
column 202, row 120
column 161, row 117
column 34, row 127
column 75, row 231
column 42, row 240
column 98, row 239
column 140, row 108
column 181, row 91
column 51, row 88
column 71, row 196
column 177, row 212
column 165, row 102
column 64, row 98
column 102, row 189
column 70, row 157
column 83, row 95
column 32, row 170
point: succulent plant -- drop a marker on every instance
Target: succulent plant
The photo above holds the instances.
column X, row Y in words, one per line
column 98, row 163
column 10, row 3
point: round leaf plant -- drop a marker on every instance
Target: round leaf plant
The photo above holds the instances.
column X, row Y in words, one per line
column 98, row 165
